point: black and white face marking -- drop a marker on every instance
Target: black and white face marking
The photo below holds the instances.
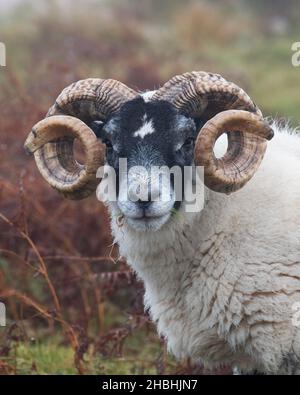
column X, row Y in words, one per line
column 147, row 134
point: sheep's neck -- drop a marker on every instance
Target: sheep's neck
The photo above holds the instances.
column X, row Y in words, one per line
column 162, row 259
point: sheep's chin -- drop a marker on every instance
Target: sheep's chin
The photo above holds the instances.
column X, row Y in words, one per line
column 151, row 224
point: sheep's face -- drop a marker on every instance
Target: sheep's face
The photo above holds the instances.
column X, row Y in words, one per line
column 145, row 140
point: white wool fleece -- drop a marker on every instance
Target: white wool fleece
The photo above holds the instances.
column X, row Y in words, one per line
column 221, row 284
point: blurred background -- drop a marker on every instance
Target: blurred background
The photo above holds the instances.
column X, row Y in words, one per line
column 73, row 305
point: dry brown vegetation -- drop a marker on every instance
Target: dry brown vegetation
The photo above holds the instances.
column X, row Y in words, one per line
column 60, row 275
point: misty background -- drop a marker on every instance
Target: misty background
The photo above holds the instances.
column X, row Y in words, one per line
column 73, row 305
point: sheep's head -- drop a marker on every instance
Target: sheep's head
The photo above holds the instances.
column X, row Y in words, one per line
column 154, row 138
column 177, row 125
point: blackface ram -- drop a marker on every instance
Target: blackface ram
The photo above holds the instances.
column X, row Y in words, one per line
column 221, row 283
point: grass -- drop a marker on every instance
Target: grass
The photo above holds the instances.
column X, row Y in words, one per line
column 43, row 358
column 50, row 356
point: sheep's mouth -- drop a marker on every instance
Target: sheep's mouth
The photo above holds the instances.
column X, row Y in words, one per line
column 146, row 223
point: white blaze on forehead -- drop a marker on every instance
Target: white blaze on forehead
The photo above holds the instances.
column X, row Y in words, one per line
column 147, row 96
column 147, row 128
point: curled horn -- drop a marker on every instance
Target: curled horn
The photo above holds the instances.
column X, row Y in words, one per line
column 51, row 140
column 225, row 108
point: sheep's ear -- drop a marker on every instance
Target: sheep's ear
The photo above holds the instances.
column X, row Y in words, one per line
column 97, row 128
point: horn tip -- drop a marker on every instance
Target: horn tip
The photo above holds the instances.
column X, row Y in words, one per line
column 29, row 146
column 270, row 134
column 27, row 150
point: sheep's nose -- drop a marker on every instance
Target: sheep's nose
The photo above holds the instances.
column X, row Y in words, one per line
column 143, row 204
column 145, row 197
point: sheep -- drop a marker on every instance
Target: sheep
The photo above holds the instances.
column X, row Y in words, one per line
column 220, row 283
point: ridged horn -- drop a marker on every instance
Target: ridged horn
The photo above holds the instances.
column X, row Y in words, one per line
column 225, row 108
column 247, row 143
column 51, row 140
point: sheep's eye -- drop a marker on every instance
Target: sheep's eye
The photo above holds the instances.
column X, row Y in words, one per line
column 189, row 142
column 108, row 144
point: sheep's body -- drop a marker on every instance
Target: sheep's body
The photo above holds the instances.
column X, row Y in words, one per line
column 221, row 284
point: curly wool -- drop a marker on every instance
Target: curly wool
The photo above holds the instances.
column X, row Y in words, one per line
column 221, row 284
